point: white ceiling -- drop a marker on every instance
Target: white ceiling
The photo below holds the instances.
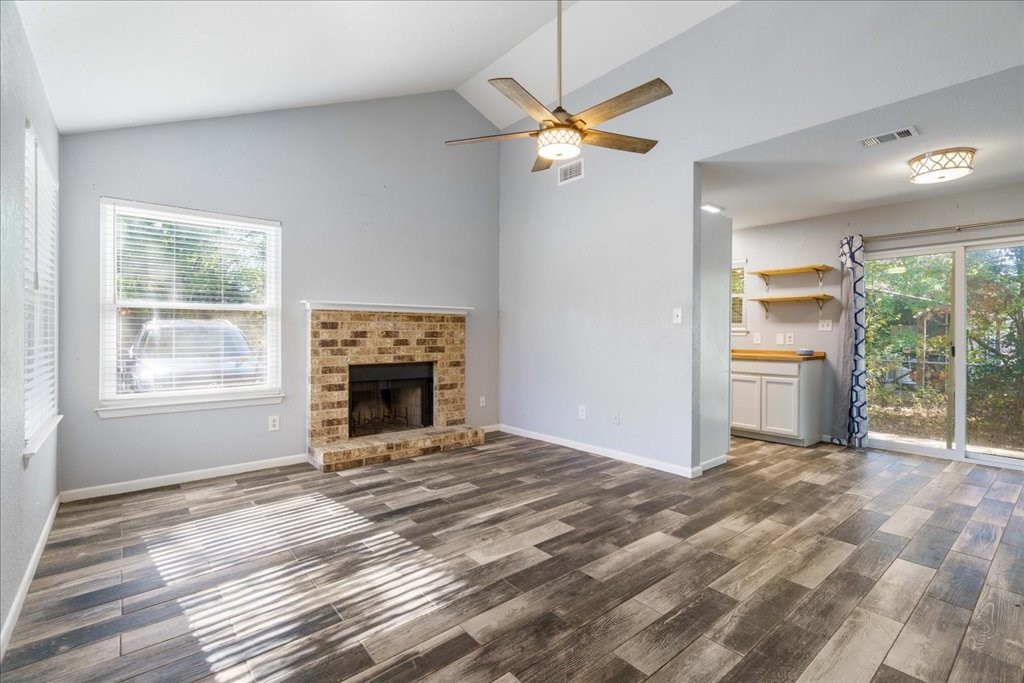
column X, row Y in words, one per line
column 109, row 64
column 823, row 170
column 596, row 38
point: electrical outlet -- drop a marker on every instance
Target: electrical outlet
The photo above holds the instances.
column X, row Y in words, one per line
column 615, row 418
column 677, row 316
column 273, row 423
column 789, row 339
column 483, row 401
column 757, row 337
column 583, row 412
column 780, row 338
column 825, row 325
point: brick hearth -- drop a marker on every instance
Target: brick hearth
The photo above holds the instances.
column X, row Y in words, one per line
column 339, row 339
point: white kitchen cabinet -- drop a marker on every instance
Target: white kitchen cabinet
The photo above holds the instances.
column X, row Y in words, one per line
column 746, row 401
column 776, row 400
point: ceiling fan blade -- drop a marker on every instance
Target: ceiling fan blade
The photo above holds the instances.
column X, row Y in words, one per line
column 494, row 138
column 620, row 104
column 625, row 143
column 542, row 164
column 525, row 101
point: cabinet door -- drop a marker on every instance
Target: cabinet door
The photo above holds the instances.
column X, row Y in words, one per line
column 780, row 405
column 745, row 402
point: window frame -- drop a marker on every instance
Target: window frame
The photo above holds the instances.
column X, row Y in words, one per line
column 742, row 327
column 45, row 180
column 226, row 397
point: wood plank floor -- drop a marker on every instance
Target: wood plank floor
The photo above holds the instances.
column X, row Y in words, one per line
column 523, row 561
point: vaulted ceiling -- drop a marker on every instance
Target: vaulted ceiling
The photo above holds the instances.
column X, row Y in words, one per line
column 109, row 64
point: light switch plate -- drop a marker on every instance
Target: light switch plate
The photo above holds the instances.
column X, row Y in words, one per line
column 825, row 325
column 789, row 339
column 780, row 338
column 677, row 316
column 757, row 337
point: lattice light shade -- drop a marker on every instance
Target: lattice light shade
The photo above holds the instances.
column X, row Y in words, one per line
column 942, row 165
column 560, row 142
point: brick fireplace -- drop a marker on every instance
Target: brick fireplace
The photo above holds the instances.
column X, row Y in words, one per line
column 341, row 339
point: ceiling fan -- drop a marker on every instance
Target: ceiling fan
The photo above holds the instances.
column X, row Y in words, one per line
column 560, row 133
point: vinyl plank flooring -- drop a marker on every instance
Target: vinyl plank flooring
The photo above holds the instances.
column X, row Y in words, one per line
column 653, row 647
column 703, row 661
column 927, row 646
column 898, row 591
column 906, row 521
column 929, row 546
column 873, row 556
column 826, row 607
column 971, row 667
column 979, row 539
column 524, row 561
column 1007, row 570
column 782, row 656
column 959, row 580
column 997, row 626
column 855, row 650
column 746, row 625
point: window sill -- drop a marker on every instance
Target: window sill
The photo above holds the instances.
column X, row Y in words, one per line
column 740, row 332
column 35, row 444
column 131, row 408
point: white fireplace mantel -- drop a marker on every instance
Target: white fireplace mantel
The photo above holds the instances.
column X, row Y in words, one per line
column 319, row 305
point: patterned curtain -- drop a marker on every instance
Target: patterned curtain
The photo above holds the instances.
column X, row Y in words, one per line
column 850, row 419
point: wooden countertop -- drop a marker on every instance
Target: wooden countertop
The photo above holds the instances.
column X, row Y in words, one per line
column 787, row 356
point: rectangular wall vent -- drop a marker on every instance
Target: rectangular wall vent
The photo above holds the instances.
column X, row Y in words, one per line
column 882, row 138
column 570, row 172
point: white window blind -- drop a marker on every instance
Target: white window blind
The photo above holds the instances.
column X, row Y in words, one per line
column 40, row 289
column 191, row 305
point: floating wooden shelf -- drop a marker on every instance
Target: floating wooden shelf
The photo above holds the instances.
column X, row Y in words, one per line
column 818, row 268
column 820, row 299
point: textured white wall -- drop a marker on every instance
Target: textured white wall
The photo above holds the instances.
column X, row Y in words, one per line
column 774, row 246
column 373, row 207
column 590, row 271
column 27, row 490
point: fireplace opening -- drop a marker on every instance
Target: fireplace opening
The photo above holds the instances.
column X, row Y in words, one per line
column 390, row 397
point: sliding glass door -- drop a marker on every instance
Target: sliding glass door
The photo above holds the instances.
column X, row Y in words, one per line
column 995, row 350
column 909, row 349
column 945, row 351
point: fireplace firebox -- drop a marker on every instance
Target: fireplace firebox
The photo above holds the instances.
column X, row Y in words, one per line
column 390, row 397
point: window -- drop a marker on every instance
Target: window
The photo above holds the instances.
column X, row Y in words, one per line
column 40, row 311
column 738, row 314
column 191, row 310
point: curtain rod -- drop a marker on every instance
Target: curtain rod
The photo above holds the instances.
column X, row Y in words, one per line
column 947, row 228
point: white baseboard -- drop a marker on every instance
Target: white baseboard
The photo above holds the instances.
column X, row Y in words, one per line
column 179, row 478
column 713, row 462
column 688, row 472
column 26, row 581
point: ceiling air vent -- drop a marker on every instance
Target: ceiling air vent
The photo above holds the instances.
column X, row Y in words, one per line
column 570, row 172
column 882, row 138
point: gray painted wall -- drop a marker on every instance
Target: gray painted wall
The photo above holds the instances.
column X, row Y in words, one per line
column 772, row 246
column 373, row 207
column 591, row 271
column 27, row 490
column 715, row 289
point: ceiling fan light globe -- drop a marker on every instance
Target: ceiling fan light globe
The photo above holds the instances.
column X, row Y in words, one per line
column 560, row 142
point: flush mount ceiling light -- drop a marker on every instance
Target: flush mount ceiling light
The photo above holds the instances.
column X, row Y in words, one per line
column 712, row 208
column 560, row 133
column 942, row 165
